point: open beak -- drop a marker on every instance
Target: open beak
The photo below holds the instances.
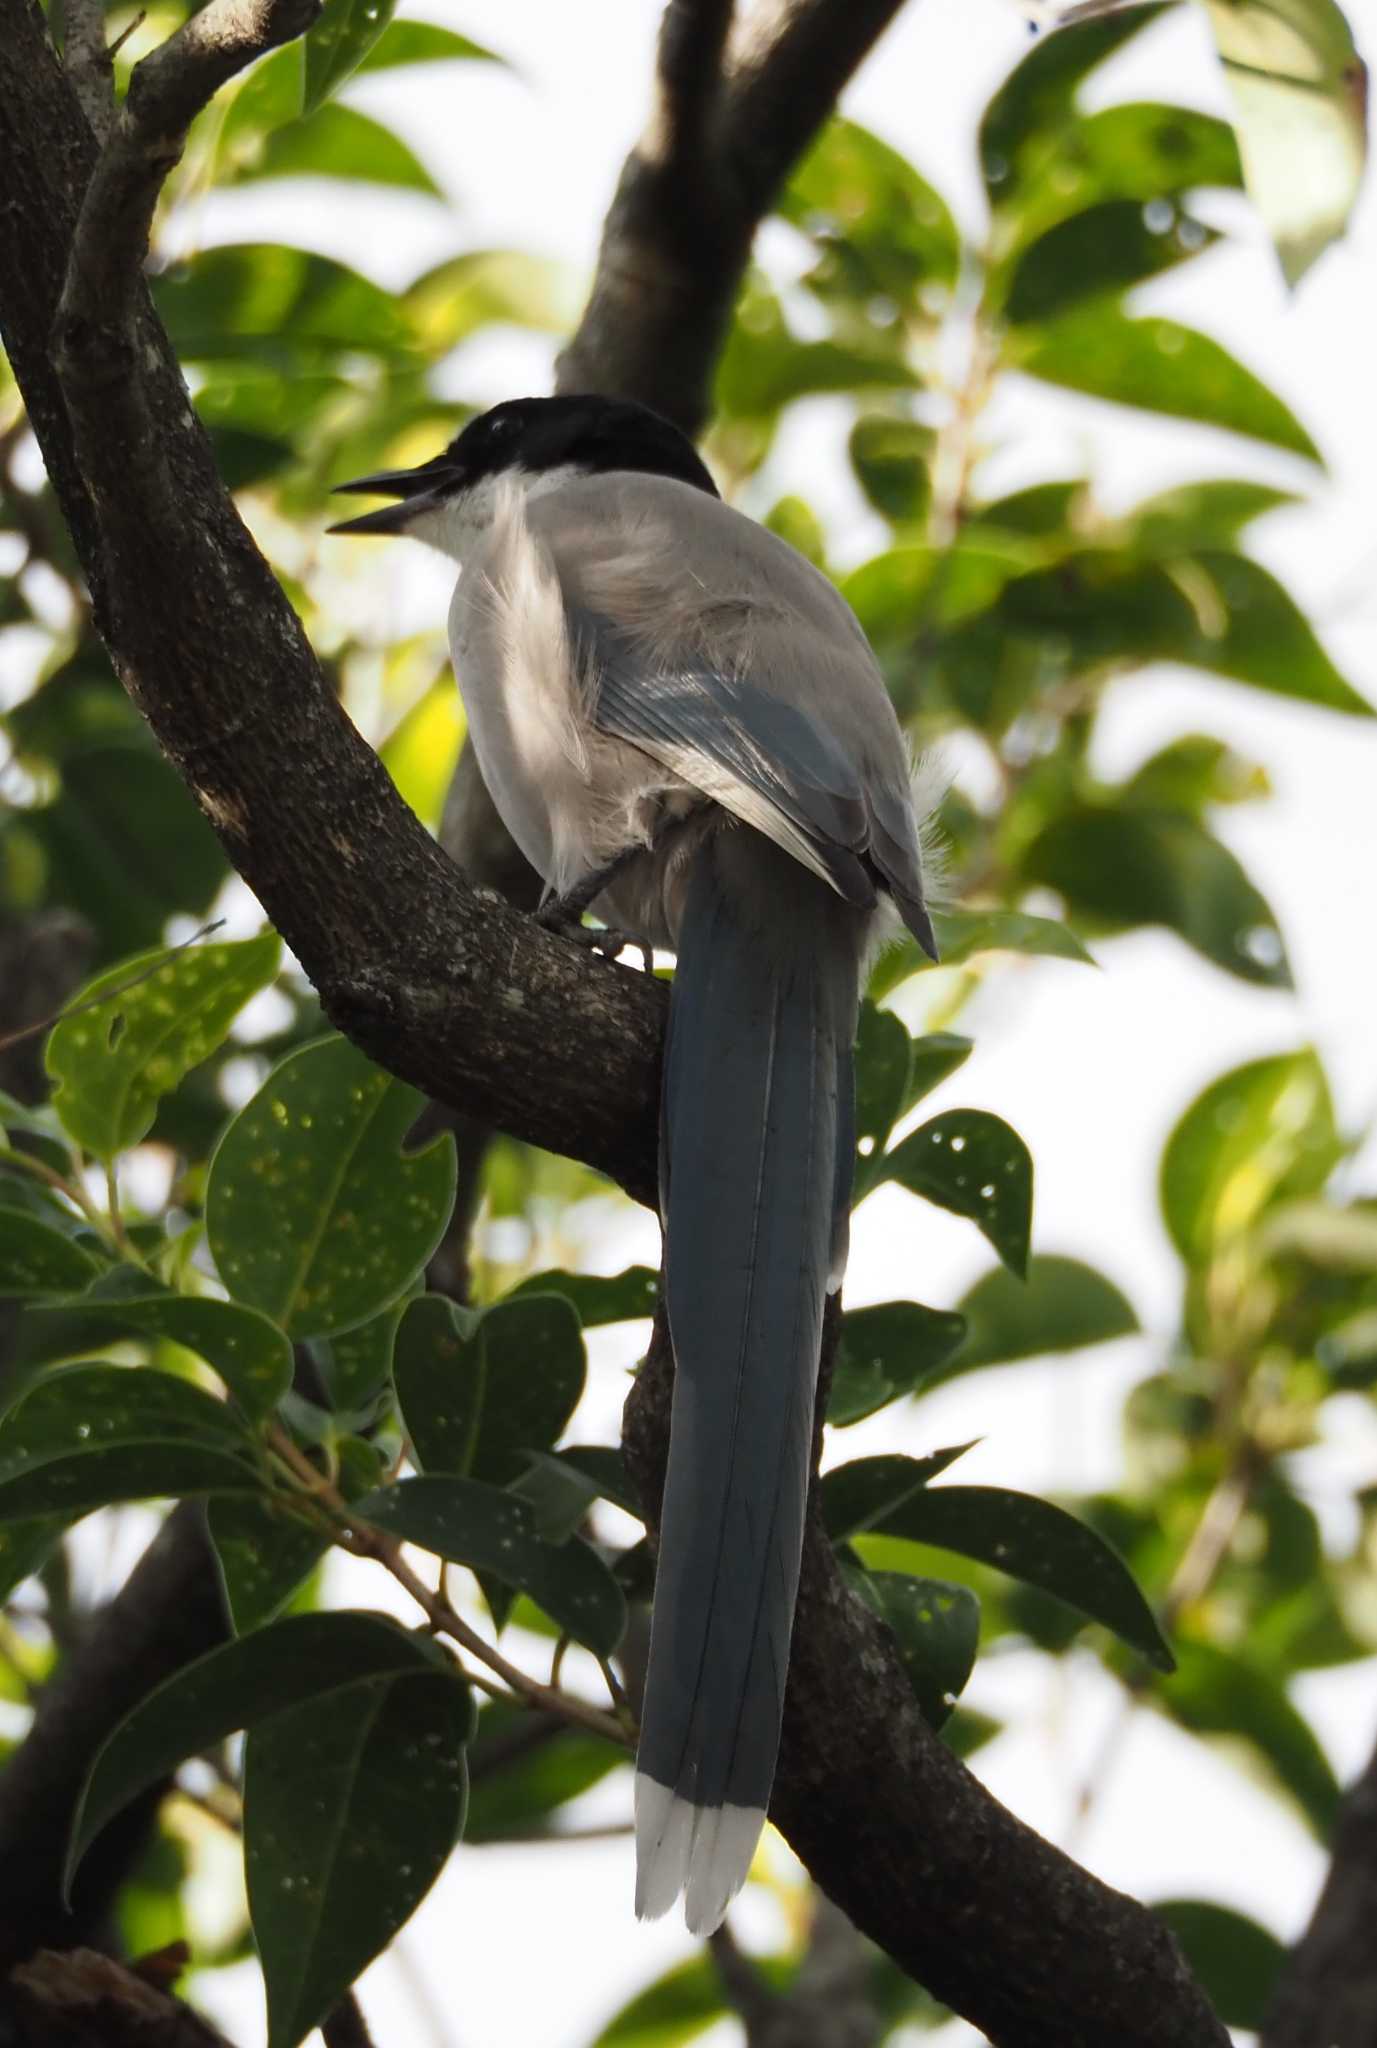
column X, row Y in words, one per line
column 416, row 490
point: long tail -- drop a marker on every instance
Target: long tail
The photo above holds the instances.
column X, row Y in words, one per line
column 757, row 1115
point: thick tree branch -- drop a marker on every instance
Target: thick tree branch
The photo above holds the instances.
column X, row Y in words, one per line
column 1328, row 1989
column 79, row 1999
column 87, row 57
column 487, row 1012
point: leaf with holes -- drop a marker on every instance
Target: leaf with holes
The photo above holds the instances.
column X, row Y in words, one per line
column 975, row 1165
column 349, row 1818
column 468, row 1523
column 111, row 1065
column 1039, row 1544
column 314, row 1211
column 309, row 1658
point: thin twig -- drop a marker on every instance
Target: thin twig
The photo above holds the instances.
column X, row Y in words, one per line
column 108, row 995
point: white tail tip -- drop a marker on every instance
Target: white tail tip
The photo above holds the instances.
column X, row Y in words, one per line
column 702, row 1851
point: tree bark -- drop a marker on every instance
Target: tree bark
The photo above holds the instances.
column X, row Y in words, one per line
column 1327, row 1994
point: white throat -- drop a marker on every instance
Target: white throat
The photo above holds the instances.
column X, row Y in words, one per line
column 462, row 525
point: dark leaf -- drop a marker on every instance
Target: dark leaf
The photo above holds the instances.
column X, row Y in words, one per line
column 264, row 300
column 859, row 1496
column 675, row 2009
column 1237, row 1961
column 936, row 1629
column 337, row 42
column 355, row 1365
column 599, row 1298
column 264, row 1552
column 314, row 1211
column 522, row 1771
column 491, row 1531
column 24, row 1549
column 36, row 1259
column 478, row 1393
column 349, row 1818
column 889, row 1349
column 250, row 1354
column 1039, row 1544
column 310, row 1657
column 606, row 1470
column 891, row 459
column 961, row 934
column 884, row 1058
column 972, row 1163
column 1101, row 252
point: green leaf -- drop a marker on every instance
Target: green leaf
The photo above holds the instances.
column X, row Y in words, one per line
column 1100, row 253
column 263, row 1552
column 892, row 458
column 355, row 1365
column 1038, row 96
column 1263, row 638
column 264, row 300
column 520, row 1779
column 1040, row 1544
column 599, row 1298
column 337, row 42
column 961, row 934
column 936, row 1630
column 1237, row 1961
column 1134, row 866
column 24, row 1549
column 311, row 1657
column 337, row 142
column 491, row 1531
column 605, row 1469
column 1145, row 155
column 766, row 366
column 858, row 1496
column 883, row 230
column 1218, row 1693
column 884, row 1060
column 675, row 2009
column 1300, row 104
column 1193, row 773
column 1161, row 367
column 112, row 1065
column 314, row 1213
column 1261, row 1134
column 349, row 1818
column 36, row 1260
column 890, row 1349
column 478, row 1393
column 423, row 42
column 250, row 1354
column 974, row 1164
column 1062, row 1306
column 487, row 286
column 1210, row 514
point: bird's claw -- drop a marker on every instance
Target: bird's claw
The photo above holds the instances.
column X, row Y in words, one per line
column 607, row 940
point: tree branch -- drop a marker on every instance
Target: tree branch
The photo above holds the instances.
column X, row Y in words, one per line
column 1328, row 1988
column 87, row 57
column 79, row 1999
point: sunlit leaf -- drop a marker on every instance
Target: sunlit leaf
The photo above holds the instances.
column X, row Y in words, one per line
column 1263, row 638
column 508, row 286
column 314, row 1211
column 882, row 229
column 112, row 1064
column 423, row 42
column 891, row 458
column 338, row 142
column 1099, row 253
column 1300, row 103
column 1192, row 773
column 1036, row 101
column 961, row 934
column 1208, row 514
column 259, row 299
column 337, row 42
column 518, row 1783
column 1263, row 1133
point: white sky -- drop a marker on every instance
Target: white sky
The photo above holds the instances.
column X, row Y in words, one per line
column 1092, row 1069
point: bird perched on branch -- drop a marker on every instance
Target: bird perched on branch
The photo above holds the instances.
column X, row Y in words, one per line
column 683, row 727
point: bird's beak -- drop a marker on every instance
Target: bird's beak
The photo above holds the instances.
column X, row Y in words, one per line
column 416, row 490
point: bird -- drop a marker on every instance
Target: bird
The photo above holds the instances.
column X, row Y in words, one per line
column 683, row 727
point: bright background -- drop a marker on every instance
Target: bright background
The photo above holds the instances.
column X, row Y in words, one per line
column 1092, row 1070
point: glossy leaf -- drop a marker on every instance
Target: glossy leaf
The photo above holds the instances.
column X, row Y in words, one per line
column 1300, row 106
column 1263, row 638
column 491, row 1531
column 1100, row 253
column 314, row 1211
column 423, row 42
column 114, row 1063
column 859, row 1496
column 1237, row 1961
column 1143, row 154
column 975, row 1165
column 1039, row 1544
column 259, row 299
column 1037, row 99
column 337, row 42
column 936, row 1630
column 349, row 1818
column 1136, row 866
column 24, row 1549
column 250, row 1354
column 1161, row 367
column 310, row 1657
column 884, row 1351
column 1063, row 1305
column 36, row 1259
column 338, row 142
column 1259, row 1134
column 263, row 1552
column 477, row 1394
column 597, row 1298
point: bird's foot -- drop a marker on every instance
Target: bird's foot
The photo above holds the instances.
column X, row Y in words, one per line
column 564, row 916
